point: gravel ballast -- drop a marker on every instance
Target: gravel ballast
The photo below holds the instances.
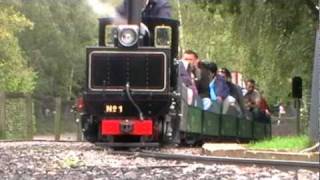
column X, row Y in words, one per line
column 51, row 160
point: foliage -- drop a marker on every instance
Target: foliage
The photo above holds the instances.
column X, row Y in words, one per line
column 15, row 74
column 269, row 41
column 208, row 35
column 16, row 119
column 279, row 38
column 49, row 36
column 294, row 143
column 56, row 44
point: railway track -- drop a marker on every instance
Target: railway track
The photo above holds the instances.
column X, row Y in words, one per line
column 195, row 158
column 224, row 160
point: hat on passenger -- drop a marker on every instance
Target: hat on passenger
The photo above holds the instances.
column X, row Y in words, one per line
column 211, row 66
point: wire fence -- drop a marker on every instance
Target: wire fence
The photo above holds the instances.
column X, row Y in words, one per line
column 26, row 117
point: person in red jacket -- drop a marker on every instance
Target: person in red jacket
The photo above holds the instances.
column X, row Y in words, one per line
column 255, row 102
column 264, row 107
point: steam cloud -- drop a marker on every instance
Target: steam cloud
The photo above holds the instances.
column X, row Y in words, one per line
column 103, row 9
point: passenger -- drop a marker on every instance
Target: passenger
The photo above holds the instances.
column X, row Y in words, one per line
column 186, row 75
column 253, row 102
column 235, row 91
column 218, row 89
column 195, row 63
column 203, row 79
column 153, row 8
column 264, row 107
column 193, row 59
column 252, row 97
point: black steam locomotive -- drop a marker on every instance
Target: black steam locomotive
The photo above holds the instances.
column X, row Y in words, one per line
column 130, row 81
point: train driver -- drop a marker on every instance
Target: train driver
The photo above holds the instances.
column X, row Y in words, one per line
column 153, row 8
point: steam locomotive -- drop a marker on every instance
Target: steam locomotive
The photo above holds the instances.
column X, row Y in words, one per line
column 131, row 95
column 130, row 81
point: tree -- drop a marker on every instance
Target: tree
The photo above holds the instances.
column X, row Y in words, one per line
column 269, row 41
column 15, row 74
column 56, row 44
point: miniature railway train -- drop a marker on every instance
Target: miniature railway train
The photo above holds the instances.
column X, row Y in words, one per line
column 131, row 94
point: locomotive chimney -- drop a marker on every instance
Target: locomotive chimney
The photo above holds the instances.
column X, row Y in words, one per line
column 134, row 11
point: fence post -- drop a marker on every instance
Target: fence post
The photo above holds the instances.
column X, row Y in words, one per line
column 29, row 117
column 79, row 130
column 2, row 115
column 57, row 119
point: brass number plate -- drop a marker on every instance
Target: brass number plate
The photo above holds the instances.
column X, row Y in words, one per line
column 114, row 108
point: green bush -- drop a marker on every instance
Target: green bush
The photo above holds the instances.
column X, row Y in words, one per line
column 16, row 122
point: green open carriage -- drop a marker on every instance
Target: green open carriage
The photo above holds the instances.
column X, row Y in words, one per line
column 197, row 122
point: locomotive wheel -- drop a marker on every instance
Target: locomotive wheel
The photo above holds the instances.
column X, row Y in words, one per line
column 90, row 129
column 91, row 134
column 190, row 139
column 158, row 130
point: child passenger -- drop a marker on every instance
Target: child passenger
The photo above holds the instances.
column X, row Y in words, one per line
column 218, row 90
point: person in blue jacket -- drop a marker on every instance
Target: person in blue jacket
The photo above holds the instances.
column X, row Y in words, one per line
column 218, row 88
column 219, row 91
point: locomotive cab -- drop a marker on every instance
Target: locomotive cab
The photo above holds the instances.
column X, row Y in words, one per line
column 130, row 80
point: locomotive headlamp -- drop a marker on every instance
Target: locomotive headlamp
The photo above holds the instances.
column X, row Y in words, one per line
column 163, row 36
column 110, row 35
column 128, row 35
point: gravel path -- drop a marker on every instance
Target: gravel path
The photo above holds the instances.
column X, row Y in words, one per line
column 46, row 160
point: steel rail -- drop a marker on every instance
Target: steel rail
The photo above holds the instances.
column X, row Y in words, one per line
column 102, row 144
column 41, row 140
column 144, row 167
column 229, row 160
column 197, row 158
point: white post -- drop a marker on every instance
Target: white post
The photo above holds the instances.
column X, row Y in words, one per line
column 314, row 127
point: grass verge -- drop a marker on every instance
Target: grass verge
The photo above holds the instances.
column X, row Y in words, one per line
column 290, row 143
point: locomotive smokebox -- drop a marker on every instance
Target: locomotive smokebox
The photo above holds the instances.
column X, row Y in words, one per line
column 133, row 16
